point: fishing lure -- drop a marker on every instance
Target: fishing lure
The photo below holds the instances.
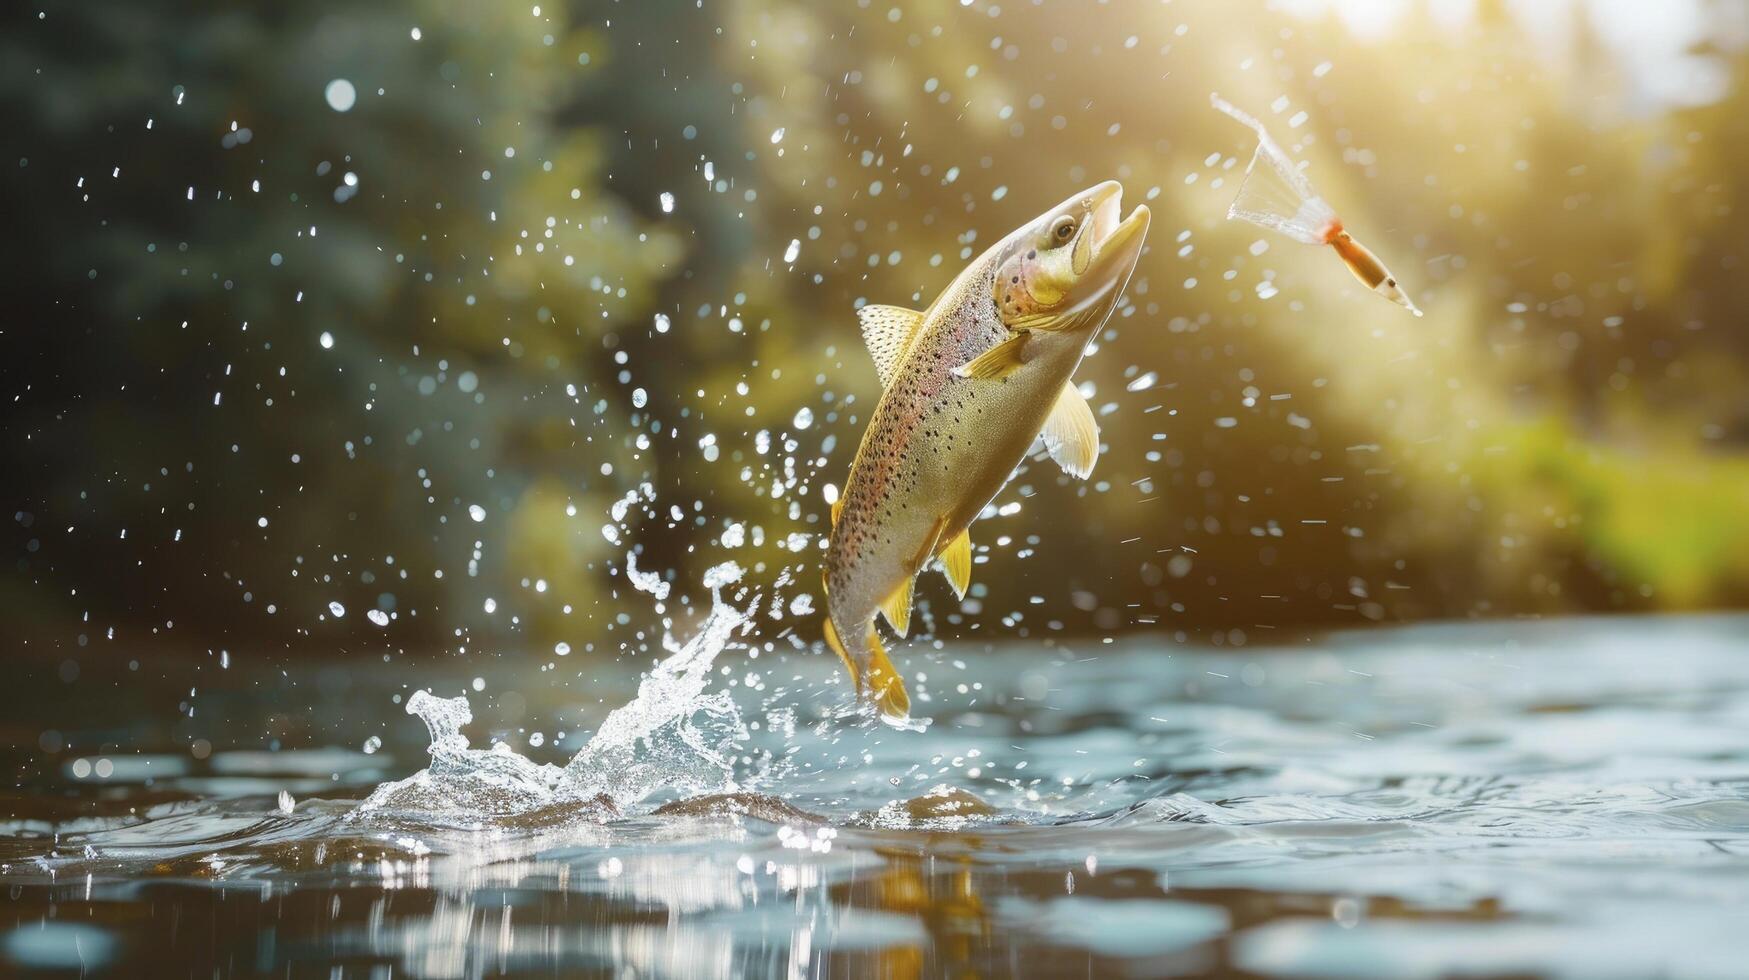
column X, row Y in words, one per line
column 1276, row 195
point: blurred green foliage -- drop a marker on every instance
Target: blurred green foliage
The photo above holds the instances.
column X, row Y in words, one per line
column 189, row 464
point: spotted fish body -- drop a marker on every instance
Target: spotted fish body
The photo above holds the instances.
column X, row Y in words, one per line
column 969, row 385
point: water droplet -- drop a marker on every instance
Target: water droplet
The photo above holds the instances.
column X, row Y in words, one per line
column 340, row 95
column 336, row 610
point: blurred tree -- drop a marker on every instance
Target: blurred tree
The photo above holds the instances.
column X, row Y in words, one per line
column 278, row 342
column 300, row 288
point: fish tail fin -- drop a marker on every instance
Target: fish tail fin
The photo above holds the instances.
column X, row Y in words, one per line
column 886, row 688
column 879, row 681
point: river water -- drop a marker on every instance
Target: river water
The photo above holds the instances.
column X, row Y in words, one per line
column 1497, row 799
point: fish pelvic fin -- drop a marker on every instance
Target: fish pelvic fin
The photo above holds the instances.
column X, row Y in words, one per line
column 956, row 562
column 1070, row 433
column 896, row 607
column 886, row 689
column 998, row 362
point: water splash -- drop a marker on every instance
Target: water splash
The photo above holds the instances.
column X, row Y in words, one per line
column 672, row 736
column 643, row 581
column 462, row 784
column 652, row 742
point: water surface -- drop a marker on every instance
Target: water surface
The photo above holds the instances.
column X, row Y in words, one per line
column 1556, row 798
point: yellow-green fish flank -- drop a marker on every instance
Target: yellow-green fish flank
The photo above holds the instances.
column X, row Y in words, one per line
column 968, row 384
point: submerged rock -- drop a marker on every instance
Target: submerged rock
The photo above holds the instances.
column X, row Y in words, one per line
column 755, row 805
column 942, row 802
column 598, row 809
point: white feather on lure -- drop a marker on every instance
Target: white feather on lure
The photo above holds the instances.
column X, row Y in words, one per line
column 1276, row 194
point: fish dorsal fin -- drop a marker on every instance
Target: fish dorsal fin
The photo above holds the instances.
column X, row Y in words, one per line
column 956, row 562
column 897, row 607
column 998, row 362
column 887, row 330
column 1070, row 434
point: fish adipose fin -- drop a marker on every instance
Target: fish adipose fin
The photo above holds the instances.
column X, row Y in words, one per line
column 1070, row 434
column 931, row 545
column 897, row 607
column 887, row 330
column 956, row 562
column 998, row 362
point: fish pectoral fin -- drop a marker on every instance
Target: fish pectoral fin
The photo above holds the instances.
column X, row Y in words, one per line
column 887, row 330
column 896, row 607
column 956, row 562
column 885, row 687
column 1071, row 436
column 999, row 361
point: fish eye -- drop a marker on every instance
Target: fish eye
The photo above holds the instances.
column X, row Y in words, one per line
column 1063, row 228
column 1391, row 282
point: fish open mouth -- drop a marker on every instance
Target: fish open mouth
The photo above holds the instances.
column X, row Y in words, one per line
column 1117, row 243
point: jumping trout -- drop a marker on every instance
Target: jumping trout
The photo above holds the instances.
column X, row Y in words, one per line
column 968, row 384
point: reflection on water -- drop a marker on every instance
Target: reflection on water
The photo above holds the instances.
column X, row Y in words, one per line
column 1561, row 798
